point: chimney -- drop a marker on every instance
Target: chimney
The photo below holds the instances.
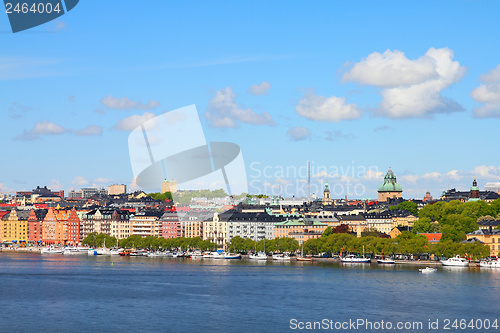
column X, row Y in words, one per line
column 364, row 206
column 346, row 198
column 491, row 229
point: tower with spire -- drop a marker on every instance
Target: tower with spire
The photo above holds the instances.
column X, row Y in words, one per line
column 327, row 200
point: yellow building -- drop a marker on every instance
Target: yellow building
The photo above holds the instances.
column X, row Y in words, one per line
column 14, row 226
column 301, row 229
column 215, row 231
column 169, row 186
column 116, row 189
column 490, row 237
column 404, row 220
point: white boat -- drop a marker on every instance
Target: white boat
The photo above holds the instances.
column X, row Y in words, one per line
column 386, row 261
column 455, row 261
column 75, row 250
column 218, row 255
column 258, row 256
column 427, row 270
column 208, row 255
column 232, row 256
column 351, row 258
column 115, row 252
column 281, row 256
column 178, row 254
column 490, row 263
column 51, row 250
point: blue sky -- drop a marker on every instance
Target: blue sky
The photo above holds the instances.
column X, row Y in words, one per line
column 351, row 86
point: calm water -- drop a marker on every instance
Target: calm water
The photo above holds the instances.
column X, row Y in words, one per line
column 57, row 293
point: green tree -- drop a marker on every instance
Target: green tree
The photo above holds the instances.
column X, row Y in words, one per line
column 409, row 206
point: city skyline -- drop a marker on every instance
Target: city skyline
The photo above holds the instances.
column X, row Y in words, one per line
column 348, row 89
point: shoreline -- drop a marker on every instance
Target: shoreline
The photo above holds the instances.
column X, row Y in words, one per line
column 245, row 257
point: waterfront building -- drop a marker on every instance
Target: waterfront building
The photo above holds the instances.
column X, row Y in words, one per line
column 146, row 223
column 255, row 226
column 13, row 227
column 390, row 188
column 110, row 221
column 34, row 225
column 116, row 189
column 54, row 228
column 215, row 231
column 74, row 228
column 301, row 229
column 192, row 223
column 490, row 237
column 170, row 226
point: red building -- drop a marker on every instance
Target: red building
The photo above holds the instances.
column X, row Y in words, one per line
column 34, row 227
column 74, row 228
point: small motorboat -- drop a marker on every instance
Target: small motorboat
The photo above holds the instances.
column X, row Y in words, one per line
column 386, row 261
column 427, row 270
column 351, row 258
column 304, row 259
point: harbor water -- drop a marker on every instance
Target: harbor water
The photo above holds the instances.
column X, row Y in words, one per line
column 80, row 293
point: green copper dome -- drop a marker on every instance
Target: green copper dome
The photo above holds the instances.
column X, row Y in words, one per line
column 390, row 184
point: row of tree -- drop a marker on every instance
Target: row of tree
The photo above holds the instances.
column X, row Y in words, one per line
column 150, row 242
column 406, row 243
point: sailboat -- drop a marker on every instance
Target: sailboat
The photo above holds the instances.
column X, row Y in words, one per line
column 259, row 255
column 351, row 258
column 302, row 258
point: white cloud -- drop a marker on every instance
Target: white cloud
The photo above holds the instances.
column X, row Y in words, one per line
column 489, row 94
column 282, row 181
column 492, row 76
column 322, row 108
column 41, row 128
column 321, row 174
column 223, row 111
column 487, row 172
column 129, row 123
column 124, row 103
column 80, row 181
column 373, row 175
column 89, row 130
column 55, row 185
column 102, row 180
column 298, row 133
column 410, row 88
column 259, row 89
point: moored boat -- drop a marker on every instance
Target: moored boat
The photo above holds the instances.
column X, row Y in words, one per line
column 490, row 263
column 386, row 261
column 258, row 256
column 232, row 256
column 455, row 261
column 282, row 256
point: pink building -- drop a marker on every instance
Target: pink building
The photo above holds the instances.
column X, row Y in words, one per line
column 170, row 226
